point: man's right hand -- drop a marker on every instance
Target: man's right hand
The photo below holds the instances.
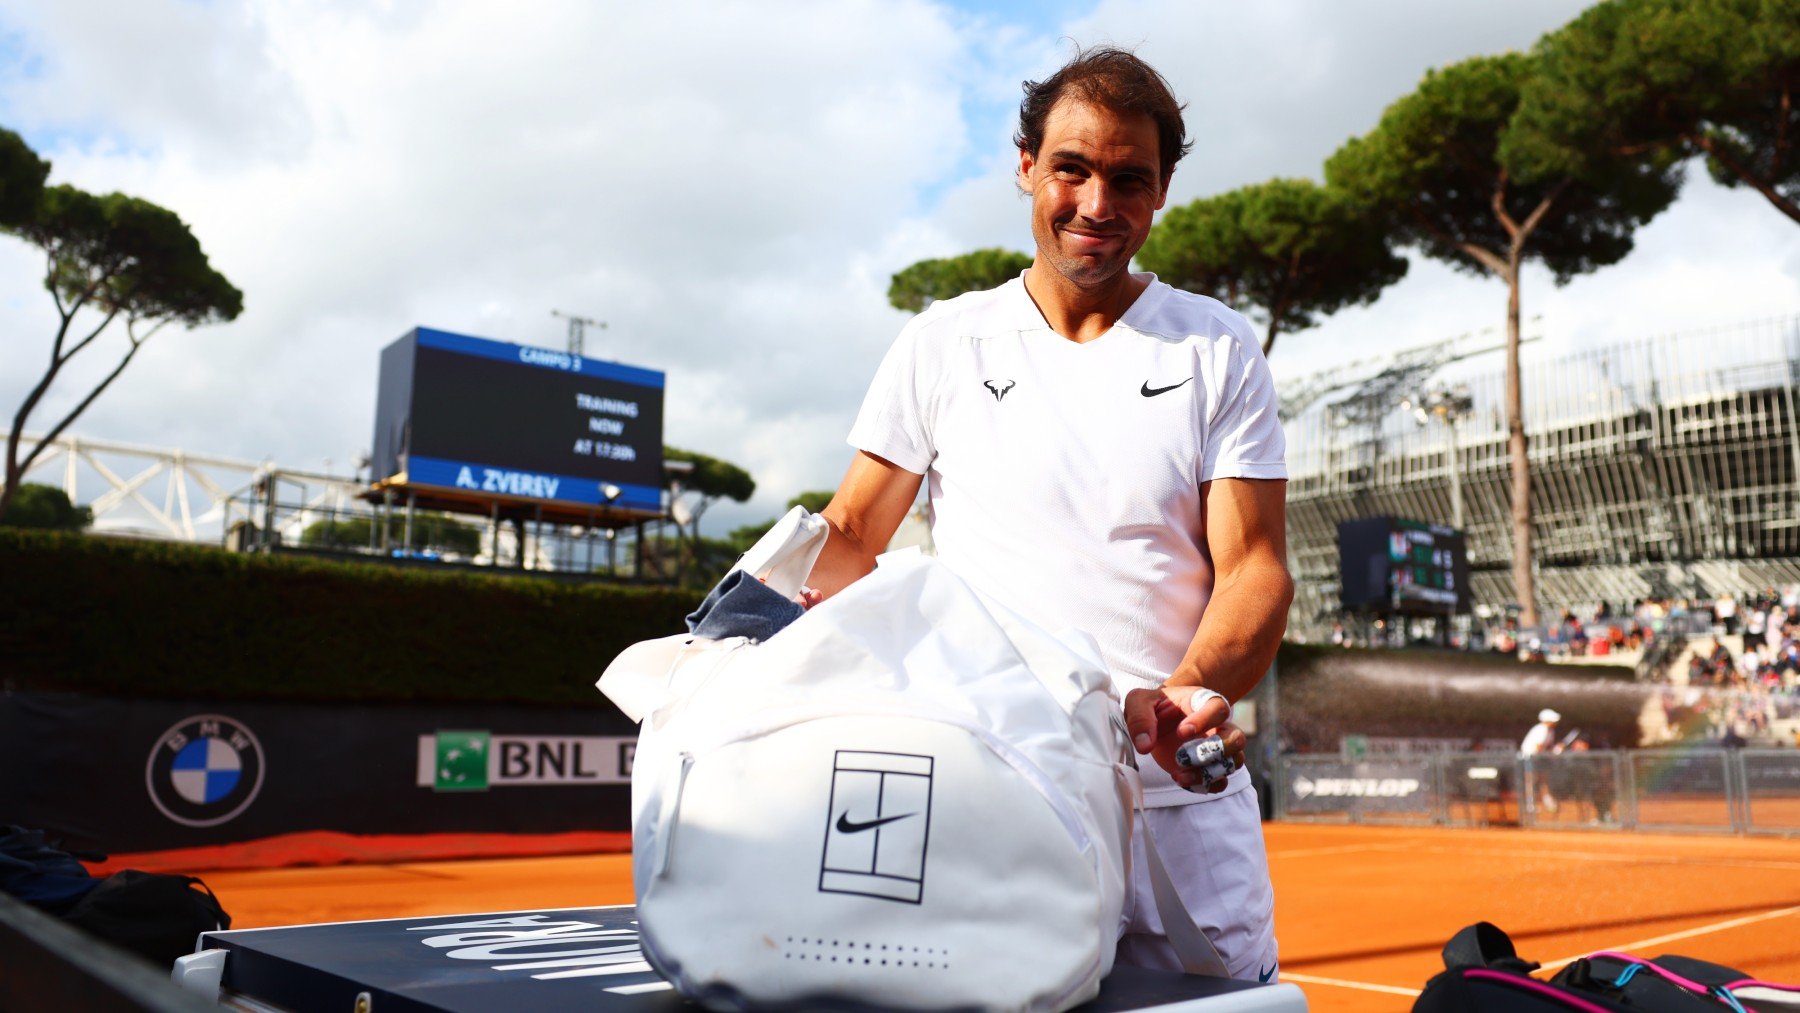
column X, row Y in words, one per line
column 1160, row 720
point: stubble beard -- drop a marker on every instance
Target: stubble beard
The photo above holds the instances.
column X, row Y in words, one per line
column 1079, row 271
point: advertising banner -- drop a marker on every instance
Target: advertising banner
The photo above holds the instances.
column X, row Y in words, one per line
column 142, row 775
column 1318, row 786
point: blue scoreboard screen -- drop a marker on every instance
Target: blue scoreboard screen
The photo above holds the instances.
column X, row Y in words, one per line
column 492, row 419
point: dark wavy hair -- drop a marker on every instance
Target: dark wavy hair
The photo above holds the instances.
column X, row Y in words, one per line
column 1110, row 77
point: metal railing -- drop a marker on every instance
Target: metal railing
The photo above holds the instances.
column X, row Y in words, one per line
column 1744, row 791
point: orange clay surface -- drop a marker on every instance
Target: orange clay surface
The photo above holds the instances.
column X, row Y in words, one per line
column 1361, row 911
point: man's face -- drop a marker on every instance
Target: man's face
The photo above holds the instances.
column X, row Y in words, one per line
column 1095, row 184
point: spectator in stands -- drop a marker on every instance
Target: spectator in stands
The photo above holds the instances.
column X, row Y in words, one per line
column 1602, row 644
column 1787, row 663
column 1725, row 613
column 1698, row 673
column 1718, row 660
column 1541, row 739
column 1749, row 666
column 1753, row 625
column 1504, row 641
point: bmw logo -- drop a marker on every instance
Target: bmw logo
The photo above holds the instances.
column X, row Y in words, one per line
column 205, row 770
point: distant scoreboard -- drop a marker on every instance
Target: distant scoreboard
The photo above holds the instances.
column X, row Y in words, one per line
column 491, row 420
column 1400, row 565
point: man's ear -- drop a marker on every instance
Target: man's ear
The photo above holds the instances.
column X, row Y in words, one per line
column 1163, row 197
column 1025, row 164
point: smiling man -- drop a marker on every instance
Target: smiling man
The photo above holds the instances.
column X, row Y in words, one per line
column 1102, row 453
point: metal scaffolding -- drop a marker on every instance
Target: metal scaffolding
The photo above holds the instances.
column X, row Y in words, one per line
column 1668, row 466
column 152, row 492
column 141, row 490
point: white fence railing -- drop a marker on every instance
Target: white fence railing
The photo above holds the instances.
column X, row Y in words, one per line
column 1747, row 791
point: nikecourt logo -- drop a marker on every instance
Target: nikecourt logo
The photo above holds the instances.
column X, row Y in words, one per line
column 1264, row 976
column 999, row 389
column 881, row 856
column 844, row 824
column 1149, row 391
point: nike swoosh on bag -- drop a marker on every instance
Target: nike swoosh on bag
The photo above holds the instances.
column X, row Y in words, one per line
column 845, row 826
column 1149, row 391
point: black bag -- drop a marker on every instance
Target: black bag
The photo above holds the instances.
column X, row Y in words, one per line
column 40, row 873
column 155, row 916
column 1484, row 973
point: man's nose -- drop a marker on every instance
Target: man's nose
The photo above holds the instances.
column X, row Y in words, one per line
column 1097, row 200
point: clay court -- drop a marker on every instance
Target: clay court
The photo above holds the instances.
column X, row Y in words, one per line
column 1361, row 911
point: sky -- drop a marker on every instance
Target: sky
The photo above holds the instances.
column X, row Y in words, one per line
column 728, row 185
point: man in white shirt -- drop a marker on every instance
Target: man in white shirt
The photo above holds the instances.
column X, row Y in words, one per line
column 1102, row 452
column 1540, row 740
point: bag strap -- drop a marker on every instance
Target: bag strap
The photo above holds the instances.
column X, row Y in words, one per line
column 664, row 847
column 1196, row 952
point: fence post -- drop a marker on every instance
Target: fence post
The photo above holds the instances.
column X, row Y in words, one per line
column 1737, row 791
column 1440, row 785
column 1628, row 795
column 1280, row 802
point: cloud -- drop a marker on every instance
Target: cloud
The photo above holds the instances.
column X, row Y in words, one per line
column 728, row 185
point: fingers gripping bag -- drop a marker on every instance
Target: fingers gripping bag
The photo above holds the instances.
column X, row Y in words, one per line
column 908, row 797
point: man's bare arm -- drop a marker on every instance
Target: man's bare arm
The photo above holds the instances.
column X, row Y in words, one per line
column 1245, row 522
column 865, row 512
column 1246, row 532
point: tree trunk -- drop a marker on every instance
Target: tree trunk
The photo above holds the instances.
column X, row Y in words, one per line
column 1524, row 581
column 12, row 477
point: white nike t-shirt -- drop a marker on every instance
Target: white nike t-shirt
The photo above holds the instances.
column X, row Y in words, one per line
column 1064, row 479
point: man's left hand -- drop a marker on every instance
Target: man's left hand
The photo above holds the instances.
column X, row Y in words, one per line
column 1160, row 720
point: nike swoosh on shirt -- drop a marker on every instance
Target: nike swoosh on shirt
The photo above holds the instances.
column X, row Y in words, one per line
column 1264, row 976
column 845, row 826
column 1149, row 391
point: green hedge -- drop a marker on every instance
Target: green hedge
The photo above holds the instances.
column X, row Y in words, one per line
column 154, row 619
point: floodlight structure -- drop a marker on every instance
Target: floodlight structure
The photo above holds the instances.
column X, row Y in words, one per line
column 578, row 329
column 1448, row 405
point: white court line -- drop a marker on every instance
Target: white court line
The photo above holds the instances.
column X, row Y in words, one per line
column 1307, row 979
column 648, row 986
column 1686, row 934
column 1625, row 856
column 1339, row 849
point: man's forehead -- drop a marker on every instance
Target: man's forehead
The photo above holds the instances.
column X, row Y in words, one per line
column 1090, row 127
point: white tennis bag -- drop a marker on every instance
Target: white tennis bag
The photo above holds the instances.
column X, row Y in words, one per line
column 909, row 797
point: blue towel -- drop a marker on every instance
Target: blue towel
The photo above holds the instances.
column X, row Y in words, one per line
column 742, row 606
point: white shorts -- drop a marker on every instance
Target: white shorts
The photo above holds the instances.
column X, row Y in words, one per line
column 1214, row 852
